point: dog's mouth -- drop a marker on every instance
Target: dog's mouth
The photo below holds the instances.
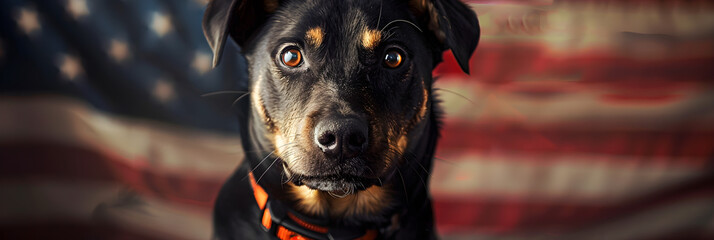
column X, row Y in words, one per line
column 337, row 185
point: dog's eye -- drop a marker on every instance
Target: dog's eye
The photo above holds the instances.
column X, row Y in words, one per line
column 291, row 57
column 392, row 59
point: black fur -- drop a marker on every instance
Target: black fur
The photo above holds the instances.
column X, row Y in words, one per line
column 339, row 83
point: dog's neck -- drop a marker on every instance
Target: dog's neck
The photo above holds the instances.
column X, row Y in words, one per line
column 405, row 188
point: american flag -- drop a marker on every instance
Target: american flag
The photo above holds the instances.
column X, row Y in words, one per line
column 580, row 120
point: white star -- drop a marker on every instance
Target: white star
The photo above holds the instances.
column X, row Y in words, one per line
column 77, row 8
column 161, row 24
column 70, row 67
column 118, row 50
column 27, row 20
column 163, row 90
column 201, row 62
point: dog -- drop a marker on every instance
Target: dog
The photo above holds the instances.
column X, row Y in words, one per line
column 342, row 122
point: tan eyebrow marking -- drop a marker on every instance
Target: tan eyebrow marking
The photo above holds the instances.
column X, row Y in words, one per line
column 371, row 38
column 314, row 36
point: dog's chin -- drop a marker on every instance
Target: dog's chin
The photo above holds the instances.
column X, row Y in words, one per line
column 335, row 185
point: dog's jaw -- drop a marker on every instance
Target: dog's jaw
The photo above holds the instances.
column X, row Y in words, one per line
column 337, row 185
column 369, row 202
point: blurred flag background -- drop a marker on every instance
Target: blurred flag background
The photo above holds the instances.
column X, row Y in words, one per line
column 580, row 120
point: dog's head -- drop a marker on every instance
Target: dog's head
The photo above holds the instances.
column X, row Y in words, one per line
column 342, row 87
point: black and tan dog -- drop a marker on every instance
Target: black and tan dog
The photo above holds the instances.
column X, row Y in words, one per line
column 340, row 131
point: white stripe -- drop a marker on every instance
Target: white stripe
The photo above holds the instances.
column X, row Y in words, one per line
column 100, row 203
column 584, row 178
column 141, row 143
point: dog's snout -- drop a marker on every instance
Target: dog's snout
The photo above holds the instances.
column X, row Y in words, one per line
column 341, row 137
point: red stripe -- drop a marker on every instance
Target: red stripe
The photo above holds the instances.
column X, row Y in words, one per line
column 501, row 63
column 35, row 160
column 522, row 214
column 695, row 147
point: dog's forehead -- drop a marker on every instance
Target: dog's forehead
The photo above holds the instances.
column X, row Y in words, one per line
column 339, row 21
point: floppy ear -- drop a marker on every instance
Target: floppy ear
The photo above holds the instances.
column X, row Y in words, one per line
column 238, row 18
column 453, row 23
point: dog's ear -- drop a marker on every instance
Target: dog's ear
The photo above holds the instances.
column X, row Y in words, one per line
column 453, row 24
column 237, row 18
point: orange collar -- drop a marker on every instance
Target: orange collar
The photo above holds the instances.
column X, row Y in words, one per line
column 294, row 227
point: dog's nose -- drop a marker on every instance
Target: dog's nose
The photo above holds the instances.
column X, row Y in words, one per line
column 342, row 137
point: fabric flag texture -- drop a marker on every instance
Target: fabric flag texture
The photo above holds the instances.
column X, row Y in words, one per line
column 580, row 120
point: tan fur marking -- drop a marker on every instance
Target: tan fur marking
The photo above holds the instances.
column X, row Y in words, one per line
column 393, row 142
column 258, row 103
column 314, row 36
column 367, row 202
column 275, row 136
column 371, row 38
column 309, row 201
column 313, row 202
column 270, row 6
column 422, row 109
column 279, row 141
column 402, row 144
column 424, row 106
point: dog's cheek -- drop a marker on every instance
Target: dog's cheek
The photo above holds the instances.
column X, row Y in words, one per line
column 386, row 151
column 257, row 100
column 278, row 135
column 398, row 138
column 423, row 106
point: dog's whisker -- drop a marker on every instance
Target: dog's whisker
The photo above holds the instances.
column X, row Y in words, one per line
column 379, row 18
column 404, row 21
column 418, row 175
column 443, row 160
column 455, row 93
column 266, row 170
column 287, row 144
column 423, row 168
column 413, row 156
column 345, row 193
column 406, row 195
column 370, row 193
column 390, row 33
column 223, row 92
column 261, row 161
column 261, row 149
column 289, row 179
column 370, row 170
column 239, row 98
